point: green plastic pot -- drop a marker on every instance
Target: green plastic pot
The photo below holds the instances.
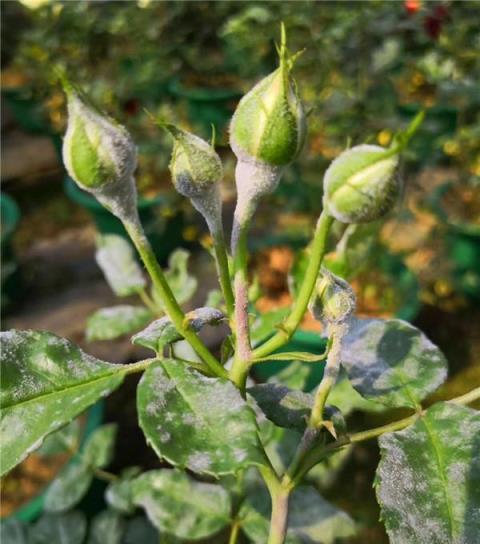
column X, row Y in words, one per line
column 207, row 106
column 10, row 279
column 31, row 510
column 164, row 233
column 27, row 111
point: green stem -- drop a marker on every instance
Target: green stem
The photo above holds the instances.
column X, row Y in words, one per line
column 221, row 258
column 148, row 302
column 298, row 311
column 234, row 532
column 170, row 304
column 279, row 517
column 105, row 475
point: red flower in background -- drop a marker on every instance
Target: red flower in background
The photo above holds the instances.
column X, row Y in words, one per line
column 412, row 6
column 433, row 22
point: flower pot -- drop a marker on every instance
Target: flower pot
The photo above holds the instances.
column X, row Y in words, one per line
column 33, row 508
column 10, row 278
column 28, row 112
column 207, row 106
column 164, row 232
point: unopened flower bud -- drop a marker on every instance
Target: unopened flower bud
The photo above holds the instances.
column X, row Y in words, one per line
column 100, row 156
column 196, row 173
column 361, row 184
column 334, row 300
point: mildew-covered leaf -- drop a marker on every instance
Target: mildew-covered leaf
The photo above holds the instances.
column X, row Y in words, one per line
column 162, row 331
column 428, row 480
column 392, row 362
column 68, row 528
column 116, row 258
column 99, row 449
column 69, row 487
column 311, row 518
column 140, row 530
column 110, row 323
column 107, row 527
column 46, row 381
column 183, row 285
column 65, row 439
column 119, row 493
column 177, row 504
column 13, row 531
column 197, row 422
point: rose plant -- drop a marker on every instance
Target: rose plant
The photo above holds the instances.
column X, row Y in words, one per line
column 218, row 430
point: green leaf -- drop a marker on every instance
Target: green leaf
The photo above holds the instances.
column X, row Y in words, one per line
column 162, row 331
column 197, row 422
column 65, row 439
column 69, row 487
column 106, row 528
column 292, row 356
column 140, row 531
column 116, row 258
column 13, row 531
column 68, row 528
column 428, row 480
column 295, row 376
column 110, row 323
column 46, row 381
column 119, row 493
column 177, row 504
column 392, row 362
column 181, row 283
column 264, row 325
column 285, row 407
column 99, row 449
column 324, row 474
column 311, row 518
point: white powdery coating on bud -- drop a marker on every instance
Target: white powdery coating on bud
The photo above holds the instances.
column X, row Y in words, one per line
column 209, row 204
column 116, row 147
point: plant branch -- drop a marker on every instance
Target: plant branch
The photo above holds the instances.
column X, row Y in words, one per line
column 234, row 532
column 291, row 324
column 148, row 302
column 171, row 305
column 221, row 259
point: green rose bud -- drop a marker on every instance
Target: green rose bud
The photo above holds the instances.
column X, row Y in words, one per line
column 268, row 125
column 334, row 300
column 100, row 156
column 361, row 184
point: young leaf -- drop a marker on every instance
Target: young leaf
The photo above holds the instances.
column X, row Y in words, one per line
column 177, row 504
column 106, row 528
column 46, row 382
column 181, row 283
column 110, row 323
column 13, row 531
column 119, row 493
column 68, row 528
column 98, row 451
column 285, row 407
column 428, row 480
column 116, row 258
column 196, row 422
column 68, row 488
column 392, row 362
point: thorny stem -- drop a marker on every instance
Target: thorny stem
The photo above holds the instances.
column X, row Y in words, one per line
column 291, row 324
column 171, row 305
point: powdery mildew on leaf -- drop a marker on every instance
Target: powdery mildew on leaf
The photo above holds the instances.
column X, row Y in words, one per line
column 391, row 362
column 428, row 481
column 116, row 258
column 197, row 422
column 110, row 323
column 46, row 381
column 68, row 488
column 179, row 505
column 68, row 528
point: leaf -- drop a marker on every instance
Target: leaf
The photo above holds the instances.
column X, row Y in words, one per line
column 162, row 331
column 99, row 449
column 13, row 531
column 264, row 325
column 46, row 381
column 69, row 487
column 311, row 518
column 140, row 531
column 324, row 474
column 392, row 362
column 110, row 323
column 179, row 505
column 197, row 422
column 68, row 528
column 106, row 528
column 285, row 407
column 65, row 439
column 292, row 356
column 181, row 283
column 295, row 376
column 119, row 493
column 428, row 479
column 116, row 258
